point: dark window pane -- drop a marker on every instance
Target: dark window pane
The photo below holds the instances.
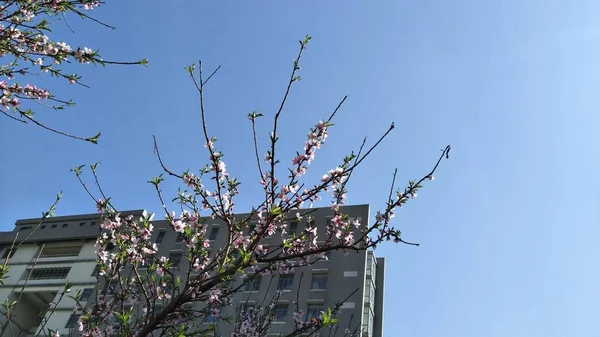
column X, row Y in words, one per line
column 47, row 273
column 281, row 312
column 293, row 227
column 160, row 237
column 213, row 233
column 253, row 284
column 285, row 282
column 319, row 282
column 175, row 258
column 86, row 294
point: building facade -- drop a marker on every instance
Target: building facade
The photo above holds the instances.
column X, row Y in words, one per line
column 62, row 248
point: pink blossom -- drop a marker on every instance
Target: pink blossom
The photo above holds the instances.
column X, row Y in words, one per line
column 179, row 226
column 99, row 205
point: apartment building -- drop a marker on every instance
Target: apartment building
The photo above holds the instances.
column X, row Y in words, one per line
column 62, row 249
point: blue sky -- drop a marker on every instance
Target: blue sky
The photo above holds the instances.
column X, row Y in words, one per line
column 508, row 229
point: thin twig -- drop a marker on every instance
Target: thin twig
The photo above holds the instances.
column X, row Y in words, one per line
column 392, row 186
column 54, row 130
column 13, row 117
column 256, row 148
column 276, row 119
column 336, row 109
column 211, row 75
column 157, row 153
column 374, row 146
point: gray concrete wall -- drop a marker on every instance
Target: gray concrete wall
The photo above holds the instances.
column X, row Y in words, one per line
column 379, row 297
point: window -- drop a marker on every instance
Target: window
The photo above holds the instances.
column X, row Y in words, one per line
column 93, row 223
column 60, row 250
column 47, row 273
column 175, row 258
column 72, row 322
column 314, row 311
column 369, row 292
column 211, row 317
column 293, row 227
column 86, row 294
column 54, row 226
column 43, row 226
column 319, row 281
column 96, row 271
column 179, row 238
column 264, row 251
column 281, row 312
column 368, row 321
column 24, row 228
column 285, row 282
column 253, row 284
column 81, row 224
column 65, row 225
column 160, row 237
column 115, row 285
column 213, row 233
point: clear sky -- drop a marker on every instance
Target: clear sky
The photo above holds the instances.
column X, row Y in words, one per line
column 508, row 230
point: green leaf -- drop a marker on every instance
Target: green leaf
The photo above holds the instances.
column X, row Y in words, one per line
column 94, row 139
column 77, row 170
column 93, row 167
column 275, row 211
column 304, row 42
column 156, row 180
column 191, row 68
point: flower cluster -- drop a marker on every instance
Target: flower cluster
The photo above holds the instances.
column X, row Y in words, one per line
column 315, row 138
column 27, row 50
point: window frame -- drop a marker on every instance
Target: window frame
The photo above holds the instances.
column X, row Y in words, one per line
column 318, row 276
column 293, row 228
column 53, row 273
column 316, row 307
column 215, row 230
column 178, row 261
column 161, row 236
column 86, row 294
column 253, row 286
column 280, row 282
column 281, row 306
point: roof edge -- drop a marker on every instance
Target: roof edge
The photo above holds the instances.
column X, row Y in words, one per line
column 74, row 217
